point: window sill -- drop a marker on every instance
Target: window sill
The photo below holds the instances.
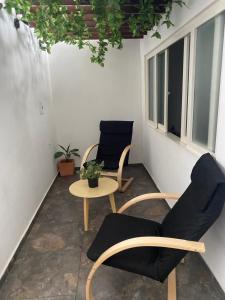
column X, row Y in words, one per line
column 152, row 124
column 191, row 147
column 198, row 150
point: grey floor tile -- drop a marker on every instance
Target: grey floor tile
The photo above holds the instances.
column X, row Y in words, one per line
column 43, row 275
column 55, row 298
column 52, row 262
column 51, row 238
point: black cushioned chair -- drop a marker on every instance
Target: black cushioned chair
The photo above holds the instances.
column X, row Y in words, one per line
column 154, row 250
column 113, row 150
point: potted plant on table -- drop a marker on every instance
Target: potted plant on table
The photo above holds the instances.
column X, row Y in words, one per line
column 67, row 165
column 91, row 172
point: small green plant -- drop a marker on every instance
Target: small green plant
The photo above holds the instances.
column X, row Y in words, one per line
column 91, row 170
column 66, row 152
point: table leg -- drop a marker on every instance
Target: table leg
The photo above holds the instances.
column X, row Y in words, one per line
column 86, row 213
column 112, row 202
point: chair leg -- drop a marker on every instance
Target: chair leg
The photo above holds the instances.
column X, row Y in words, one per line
column 172, row 290
column 112, row 202
column 89, row 294
column 86, row 213
column 124, row 187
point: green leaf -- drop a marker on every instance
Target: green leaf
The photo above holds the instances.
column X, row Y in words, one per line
column 157, row 35
column 64, row 149
column 74, row 150
column 91, row 170
column 58, row 154
column 76, row 154
column 54, row 24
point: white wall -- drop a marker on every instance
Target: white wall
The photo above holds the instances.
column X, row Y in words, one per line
column 170, row 163
column 27, row 145
column 85, row 93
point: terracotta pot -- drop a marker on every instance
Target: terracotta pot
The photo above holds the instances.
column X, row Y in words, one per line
column 93, row 182
column 66, row 167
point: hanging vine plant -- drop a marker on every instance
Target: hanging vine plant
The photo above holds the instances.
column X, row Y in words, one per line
column 54, row 22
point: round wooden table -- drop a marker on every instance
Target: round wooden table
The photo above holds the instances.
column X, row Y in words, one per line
column 106, row 187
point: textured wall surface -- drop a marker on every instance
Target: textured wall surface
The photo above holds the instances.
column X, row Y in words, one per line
column 27, row 138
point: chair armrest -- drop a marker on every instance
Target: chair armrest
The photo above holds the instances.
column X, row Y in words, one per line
column 86, row 154
column 141, row 242
column 152, row 241
column 123, row 155
column 151, row 196
column 121, row 162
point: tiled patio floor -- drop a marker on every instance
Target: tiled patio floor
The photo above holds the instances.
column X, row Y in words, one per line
column 52, row 262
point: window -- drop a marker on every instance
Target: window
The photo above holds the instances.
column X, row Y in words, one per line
column 184, row 82
column 161, row 87
column 209, row 46
column 175, row 85
column 151, row 78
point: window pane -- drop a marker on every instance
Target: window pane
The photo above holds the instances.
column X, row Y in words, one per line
column 151, row 88
column 175, row 87
column 207, row 81
column 161, row 86
column 187, row 66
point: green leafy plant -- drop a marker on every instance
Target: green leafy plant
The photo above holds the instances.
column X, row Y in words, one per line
column 91, row 170
column 66, row 152
column 54, row 22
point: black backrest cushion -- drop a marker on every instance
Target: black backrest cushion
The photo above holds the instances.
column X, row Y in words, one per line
column 205, row 176
column 194, row 213
column 115, row 136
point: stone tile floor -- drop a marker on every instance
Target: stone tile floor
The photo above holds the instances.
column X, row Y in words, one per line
column 52, row 262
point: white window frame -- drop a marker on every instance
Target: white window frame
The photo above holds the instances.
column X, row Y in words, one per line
column 186, row 65
column 162, row 127
column 189, row 33
column 155, row 124
column 152, row 123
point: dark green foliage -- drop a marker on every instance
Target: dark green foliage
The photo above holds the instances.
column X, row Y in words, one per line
column 54, row 23
column 66, row 152
column 91, row 170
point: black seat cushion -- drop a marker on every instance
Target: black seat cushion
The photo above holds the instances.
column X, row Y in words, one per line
column 117, row 228
column 115, row 136
column 194, row 213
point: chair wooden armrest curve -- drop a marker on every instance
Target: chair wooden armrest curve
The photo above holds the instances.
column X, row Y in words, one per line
column 141, row 242
column 86, row 154
column 121, row 164
column 150, row 196
column 123, row 155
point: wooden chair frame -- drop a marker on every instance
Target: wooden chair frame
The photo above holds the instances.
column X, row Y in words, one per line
column 124, row 183
column 146, row 242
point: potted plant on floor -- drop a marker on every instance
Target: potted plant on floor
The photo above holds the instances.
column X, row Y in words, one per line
column 67, row 165
column 91, row 172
